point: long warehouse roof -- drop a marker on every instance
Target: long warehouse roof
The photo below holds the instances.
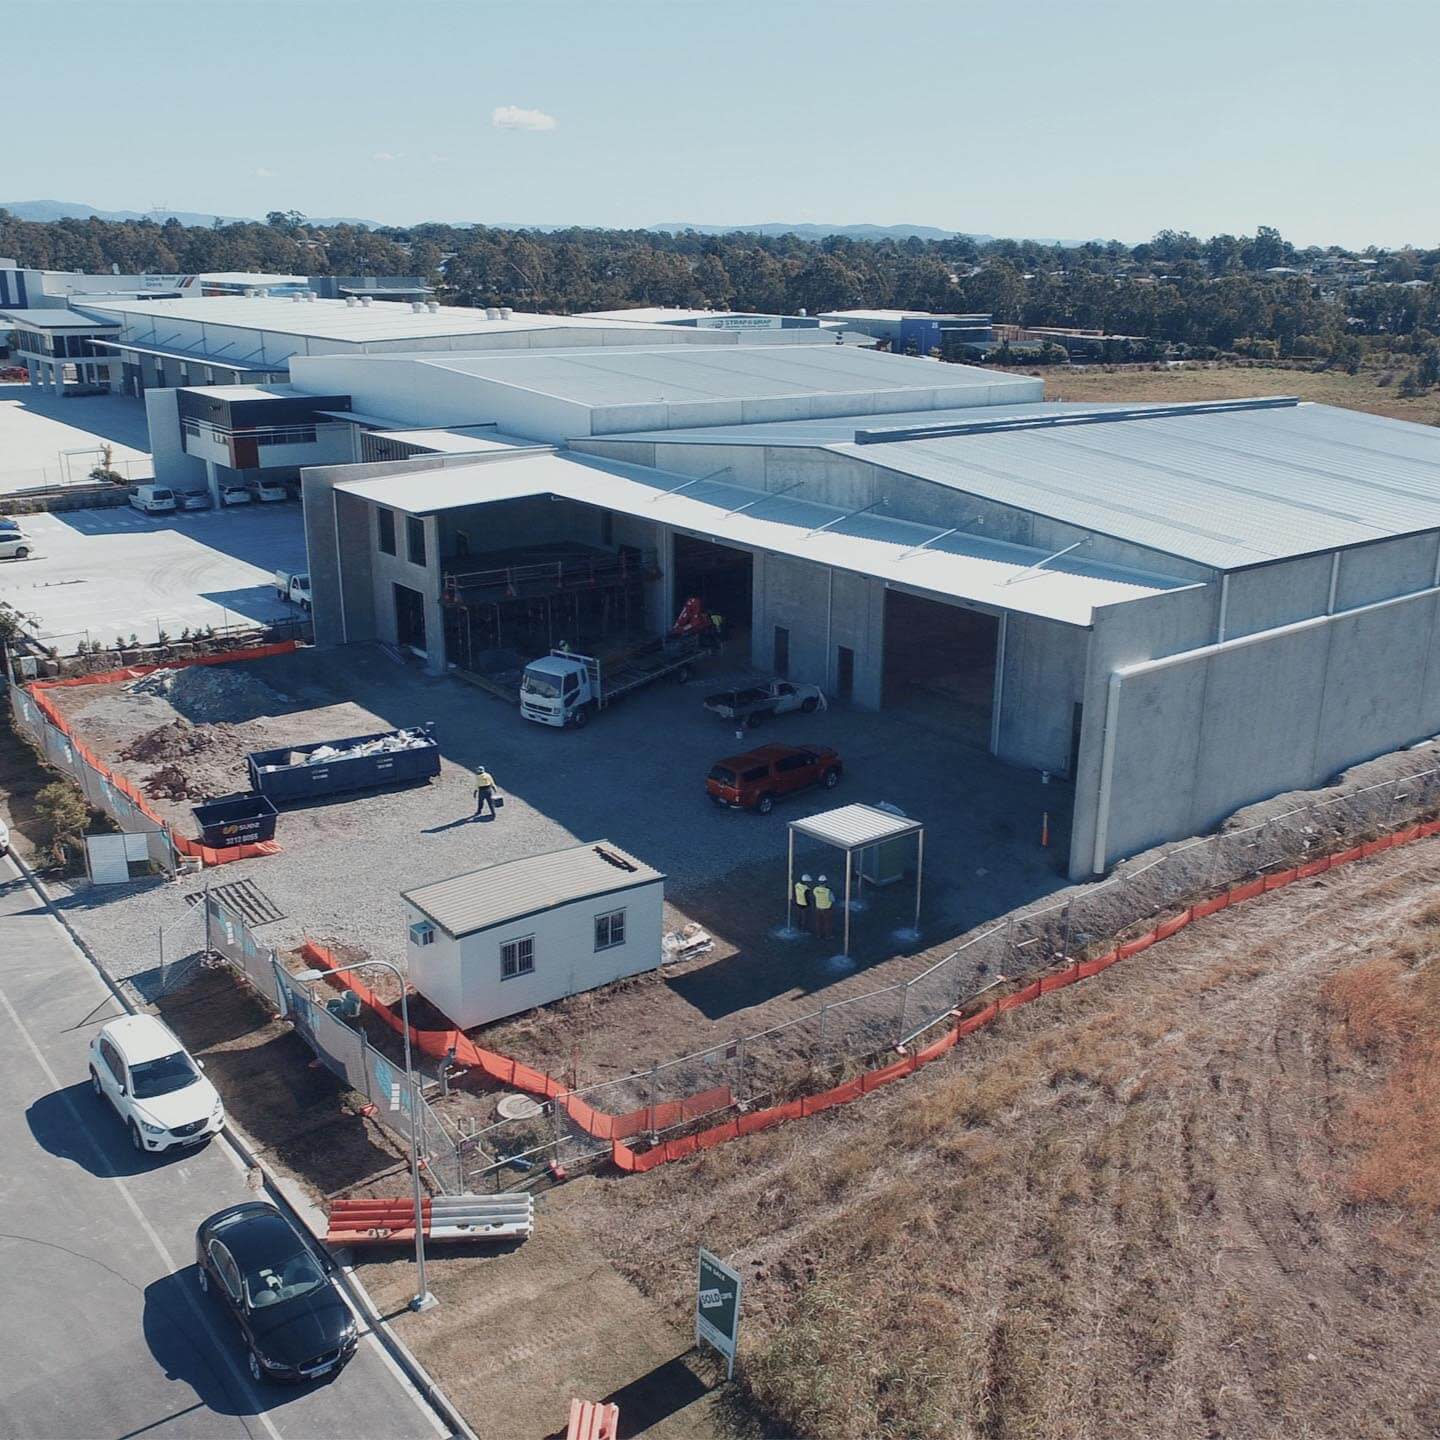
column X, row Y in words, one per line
column 679, row 374
column 1227, row 484
column 337, row 320
column 925, row 558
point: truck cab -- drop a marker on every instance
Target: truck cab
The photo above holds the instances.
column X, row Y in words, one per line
column 557, row 690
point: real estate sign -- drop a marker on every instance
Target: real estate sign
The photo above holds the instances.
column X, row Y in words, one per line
column 717, row 1308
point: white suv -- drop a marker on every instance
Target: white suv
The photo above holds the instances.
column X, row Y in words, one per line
column 138, row 1065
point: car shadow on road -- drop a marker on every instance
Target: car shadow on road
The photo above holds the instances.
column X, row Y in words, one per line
column 213, row 1365
column 100, row 1144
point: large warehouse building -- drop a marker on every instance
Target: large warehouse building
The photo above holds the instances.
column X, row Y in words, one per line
column 1178, row 609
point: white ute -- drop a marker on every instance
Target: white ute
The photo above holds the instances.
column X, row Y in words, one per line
column 295, row 588
column 153, row 1084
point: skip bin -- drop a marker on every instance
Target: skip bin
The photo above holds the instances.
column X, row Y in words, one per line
column 243, row 818
column 359, row 762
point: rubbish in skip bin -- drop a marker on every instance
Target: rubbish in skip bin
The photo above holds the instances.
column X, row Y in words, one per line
column 361, row 762
column 243, row 818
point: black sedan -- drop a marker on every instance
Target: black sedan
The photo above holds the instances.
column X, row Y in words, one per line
column 278, row 1286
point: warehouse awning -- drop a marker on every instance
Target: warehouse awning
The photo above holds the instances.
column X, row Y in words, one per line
column 954, row 564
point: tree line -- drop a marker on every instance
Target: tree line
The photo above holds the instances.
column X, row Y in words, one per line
column 1223, row 295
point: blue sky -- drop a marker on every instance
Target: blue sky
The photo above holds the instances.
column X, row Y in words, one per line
column 1068, row 118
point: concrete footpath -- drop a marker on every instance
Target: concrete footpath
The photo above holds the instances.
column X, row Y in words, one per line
column 103, row 1328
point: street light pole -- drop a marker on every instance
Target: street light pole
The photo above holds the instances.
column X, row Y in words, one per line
column 423, row 1300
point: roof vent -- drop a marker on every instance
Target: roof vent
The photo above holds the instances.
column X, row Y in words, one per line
column 352, row 300
column 491, row 313
column 433, row 306
column 298, row 298
column 506, row 312
column 611, row 857
column 365, row 301
column 418, row 306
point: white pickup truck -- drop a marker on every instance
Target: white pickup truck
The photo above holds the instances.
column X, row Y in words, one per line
column 759, row 702
column 295, row 588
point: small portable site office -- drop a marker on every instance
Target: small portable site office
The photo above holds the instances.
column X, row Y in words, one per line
column 510, row 936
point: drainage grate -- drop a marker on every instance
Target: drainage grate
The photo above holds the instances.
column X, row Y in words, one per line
column 243, row 898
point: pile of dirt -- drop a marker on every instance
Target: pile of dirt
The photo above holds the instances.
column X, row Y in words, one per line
column 169, row 783
column 211, row 694
column 170, row 742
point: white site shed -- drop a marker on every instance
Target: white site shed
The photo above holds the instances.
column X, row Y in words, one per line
column 510, row 936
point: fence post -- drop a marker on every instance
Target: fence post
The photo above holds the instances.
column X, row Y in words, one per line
column 744, row 1093
column 654, row 1080
column 1065, row 934
column 820, row 1044
column 205, row 901
column 904, row 1007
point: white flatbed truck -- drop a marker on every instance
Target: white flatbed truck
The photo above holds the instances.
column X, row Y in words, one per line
column 563, row 688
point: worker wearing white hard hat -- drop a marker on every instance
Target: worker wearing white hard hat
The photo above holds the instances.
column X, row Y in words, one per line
column 802, row 901
column 824, row 900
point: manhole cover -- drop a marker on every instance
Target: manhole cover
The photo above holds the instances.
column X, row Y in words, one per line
column 518, row 1107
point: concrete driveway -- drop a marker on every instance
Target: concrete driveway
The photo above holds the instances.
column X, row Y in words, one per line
column 103, row 1328
column 103, row 574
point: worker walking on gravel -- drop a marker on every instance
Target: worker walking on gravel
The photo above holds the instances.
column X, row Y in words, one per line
column 802, row 902
column 824, row 898
column 484, row 792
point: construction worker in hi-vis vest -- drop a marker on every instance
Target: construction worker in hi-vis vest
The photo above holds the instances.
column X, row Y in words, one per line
column 824, row 899
column 802, row 902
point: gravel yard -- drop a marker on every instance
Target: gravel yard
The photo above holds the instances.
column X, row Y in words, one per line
column 634, row 777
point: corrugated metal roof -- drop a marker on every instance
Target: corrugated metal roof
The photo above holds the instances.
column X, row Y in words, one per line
column 853, row 826
column 1223, row 486
column 339, row 320
column 511, row 890
column 680, row 374
column 923, row 558
column 56, row 318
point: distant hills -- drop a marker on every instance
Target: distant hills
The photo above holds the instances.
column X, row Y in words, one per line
column 44, row 210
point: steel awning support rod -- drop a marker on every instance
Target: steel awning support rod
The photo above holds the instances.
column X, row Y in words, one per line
column 850, row 515
column 1039, row 565
column 768, row 495
column 943, row 534
column 676, row 489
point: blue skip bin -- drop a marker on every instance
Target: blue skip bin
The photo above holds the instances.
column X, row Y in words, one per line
column 243, row 818
column 361, row 762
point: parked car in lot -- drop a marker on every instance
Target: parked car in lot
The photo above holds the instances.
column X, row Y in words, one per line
column 4, row 840
column 757, row 779
column 235, row 494
column 153, row 499
column 15, row 545
column 152, row 1083
column 770, row 697
column 279, row 1288
column 193, row 499
column 6, row 523
column 268, row 490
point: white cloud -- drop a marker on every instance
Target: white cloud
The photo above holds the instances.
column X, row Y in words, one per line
column 263, row 174
column 384, row 156
column 512, row 117
column 439, row 159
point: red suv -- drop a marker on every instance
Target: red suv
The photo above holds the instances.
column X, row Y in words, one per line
column 757, row 779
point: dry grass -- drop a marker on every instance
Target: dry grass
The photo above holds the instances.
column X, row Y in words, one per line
column 1391, row 1015
column 1325, row 387
column 1131, row 1211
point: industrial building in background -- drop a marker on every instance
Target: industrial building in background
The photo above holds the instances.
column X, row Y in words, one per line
column 1178, row 609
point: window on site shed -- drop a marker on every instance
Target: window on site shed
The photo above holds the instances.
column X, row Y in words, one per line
column 610, row 930
column 386, row 521
column 517, row 957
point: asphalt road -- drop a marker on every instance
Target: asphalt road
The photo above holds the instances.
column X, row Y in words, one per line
column 103, row 1330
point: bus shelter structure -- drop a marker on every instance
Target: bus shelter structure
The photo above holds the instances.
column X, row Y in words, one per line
column 854, row 829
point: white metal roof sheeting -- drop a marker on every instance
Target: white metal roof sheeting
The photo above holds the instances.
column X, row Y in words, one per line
column 852, row 827
column 841, row 429
column 340, row 321
column 1223, row 488
column 55, row 318
column 968, row 568
column 680, row 374
column 513, row 889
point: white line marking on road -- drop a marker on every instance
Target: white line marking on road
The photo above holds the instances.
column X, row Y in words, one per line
column 221, row 1349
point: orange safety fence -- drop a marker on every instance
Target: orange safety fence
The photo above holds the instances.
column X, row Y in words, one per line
column 618, row 1128
column 209, row 854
